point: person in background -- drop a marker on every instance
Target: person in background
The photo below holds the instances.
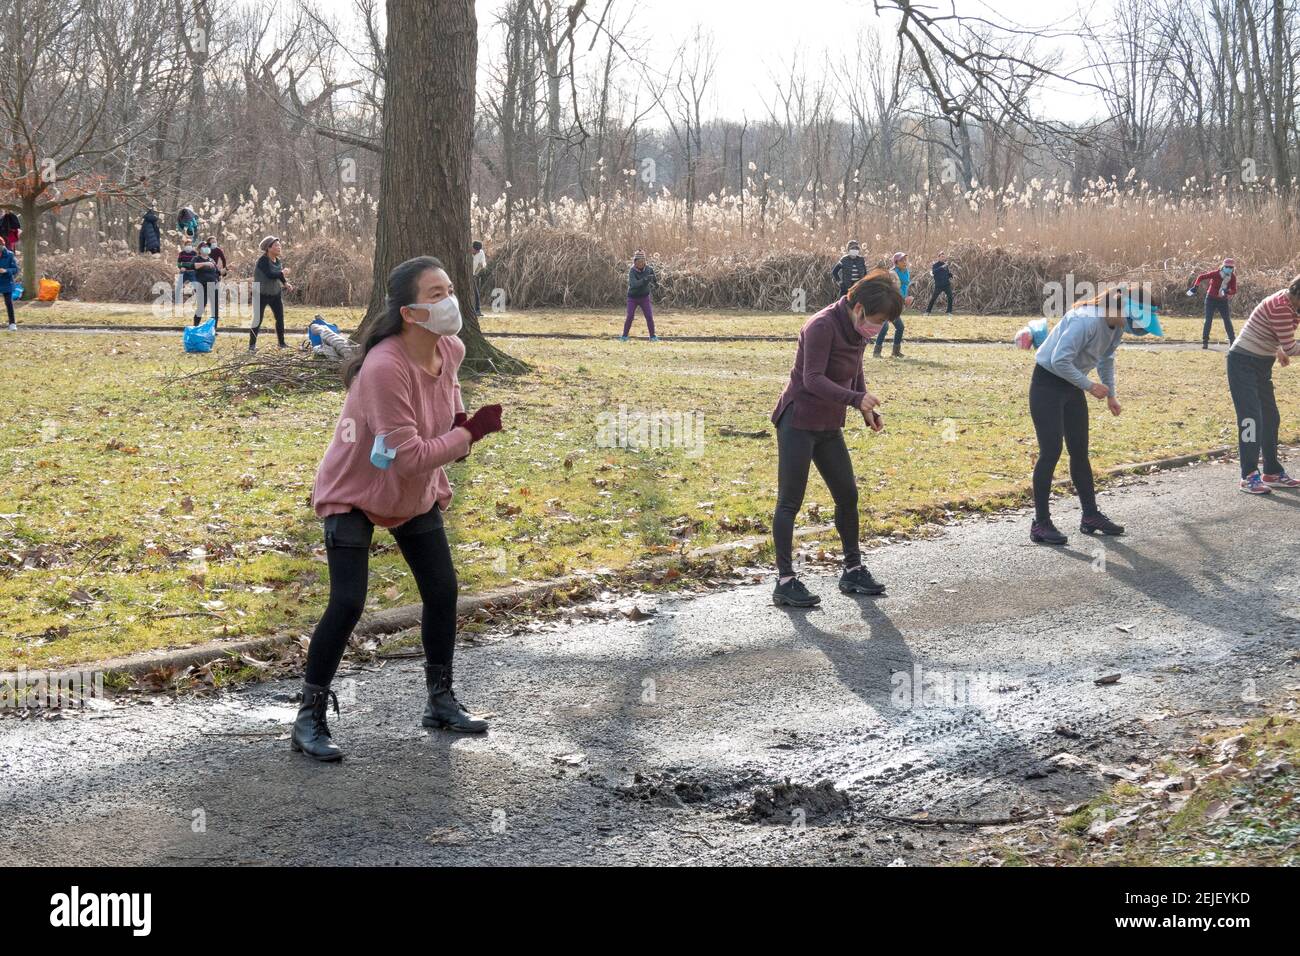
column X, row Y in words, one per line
column 206, row 277
column 942, row 276
column 1221, row 285
column 850, row 268
column 904, row 275
column 185, row 269
column 272, row 282
column 403, row 422
column 187, row 221
column 214, row 252
column 150, row 233
column 826, row 379
column 1267, row 336
column 1086, row 338
column 641, row 281
column 479, row 263
column 11, row 227
column 8, row 276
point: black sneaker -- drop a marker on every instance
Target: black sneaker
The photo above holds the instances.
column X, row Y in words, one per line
column 860, row 581
column 1044, row 532
column 794, row 594
column 1093, row 524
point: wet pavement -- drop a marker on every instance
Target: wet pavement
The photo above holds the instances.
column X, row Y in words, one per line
column 660, row 741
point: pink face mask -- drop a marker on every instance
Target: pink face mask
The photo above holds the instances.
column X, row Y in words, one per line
column 864, row 328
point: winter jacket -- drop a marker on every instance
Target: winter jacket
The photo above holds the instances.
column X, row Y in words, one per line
column 218, row 257
column 9, row 263
column 187, row 221
column 269, row 275
column 640, row 283
column 942, row 275
column 1216, row 289
column 150, row 234
column 848, row 271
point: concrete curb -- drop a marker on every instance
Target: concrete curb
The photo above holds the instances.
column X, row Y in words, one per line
column 393, row 620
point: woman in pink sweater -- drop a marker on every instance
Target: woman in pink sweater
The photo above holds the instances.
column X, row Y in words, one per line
column 403, row 420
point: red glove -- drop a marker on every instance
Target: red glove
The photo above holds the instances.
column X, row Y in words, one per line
column 457, row 420
column 485, row 421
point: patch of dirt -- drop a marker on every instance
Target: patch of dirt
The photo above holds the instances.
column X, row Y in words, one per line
column 681, row 788
column 787, row 801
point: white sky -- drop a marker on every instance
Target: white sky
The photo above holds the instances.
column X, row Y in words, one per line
column 754, row 37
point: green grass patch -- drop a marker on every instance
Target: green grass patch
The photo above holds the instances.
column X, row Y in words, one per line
column 136, row 514
column 607, row 323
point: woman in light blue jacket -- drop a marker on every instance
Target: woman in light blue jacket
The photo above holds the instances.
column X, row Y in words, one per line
column 1085, row 339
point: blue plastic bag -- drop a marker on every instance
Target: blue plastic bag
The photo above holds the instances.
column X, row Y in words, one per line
column 199, row 338
column 313, row 333
column 17, row 292
column 1141, row 319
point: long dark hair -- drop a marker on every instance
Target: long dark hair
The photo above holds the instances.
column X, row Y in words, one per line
column 403, row 282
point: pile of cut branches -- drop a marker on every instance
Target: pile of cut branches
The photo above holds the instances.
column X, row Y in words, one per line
column 271, row 371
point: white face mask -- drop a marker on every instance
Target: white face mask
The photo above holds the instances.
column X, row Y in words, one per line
column 204, row 249
column 444, row 315
column 855, row 252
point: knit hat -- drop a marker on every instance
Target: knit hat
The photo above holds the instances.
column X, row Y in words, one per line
column 268, row 242
column 853, row 244
column 638, row 255
column 1229, row 262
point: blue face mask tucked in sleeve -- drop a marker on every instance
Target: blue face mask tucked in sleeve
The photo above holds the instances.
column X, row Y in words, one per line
column 380, row 454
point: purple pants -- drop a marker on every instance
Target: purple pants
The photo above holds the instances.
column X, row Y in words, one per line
column 646, row 307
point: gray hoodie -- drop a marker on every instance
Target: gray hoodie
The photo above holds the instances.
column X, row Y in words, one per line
column 1081, row 342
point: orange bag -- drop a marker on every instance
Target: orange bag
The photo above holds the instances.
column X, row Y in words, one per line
column 48, row 290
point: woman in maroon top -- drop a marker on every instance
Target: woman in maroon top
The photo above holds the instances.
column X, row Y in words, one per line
column 827, row 378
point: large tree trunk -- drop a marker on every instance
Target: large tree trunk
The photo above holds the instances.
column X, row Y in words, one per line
column 29, row 246
column 428, row 126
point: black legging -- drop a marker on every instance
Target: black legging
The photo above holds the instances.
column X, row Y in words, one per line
column 277, row 310
column 934, row 297
column 423, row 542
column 9, row 306
column 1060, row 410
column 796, row 449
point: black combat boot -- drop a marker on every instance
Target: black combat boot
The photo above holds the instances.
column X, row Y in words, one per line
column 311, row 734
column 443, row 709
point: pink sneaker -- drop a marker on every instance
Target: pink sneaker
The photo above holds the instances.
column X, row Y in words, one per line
column 1280, row 480
column 1254, row 485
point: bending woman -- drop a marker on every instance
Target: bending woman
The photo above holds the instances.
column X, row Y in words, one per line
column 402, row 422
column 1268, row 336
column 1085, row 338
column 826, row 379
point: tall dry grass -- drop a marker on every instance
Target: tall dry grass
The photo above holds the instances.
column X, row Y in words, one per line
column 761, row 248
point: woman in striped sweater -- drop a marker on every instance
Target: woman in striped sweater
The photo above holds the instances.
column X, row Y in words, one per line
column 1267, row 337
